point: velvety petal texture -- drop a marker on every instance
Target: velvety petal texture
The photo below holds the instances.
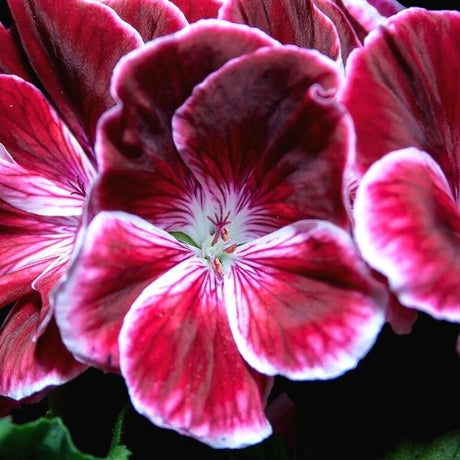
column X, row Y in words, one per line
column 310, row 278
column 287, row 155
column 408, row 228
column 151, row 18
column 59, row 39
column 401, row 96
column 297, row 22
column 11, row 58
column 203, row 9
column 27, row 365
column 181, row 364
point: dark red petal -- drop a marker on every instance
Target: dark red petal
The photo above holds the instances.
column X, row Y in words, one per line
column 349, row 37
column 119, row 255
column 402, row 89
column 29, row 366
column 154, row 81
column 151, row 18
column 11, row 57
column 35, row 137
column 302, row 303
column 297, row 22
column 267, row 126
column 73, row 47
column 196, row 10
column 408, row 229
column 181, row 365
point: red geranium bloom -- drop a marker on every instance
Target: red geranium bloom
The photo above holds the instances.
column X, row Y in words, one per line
column 334, row 27
column 219, row 254
column 47, row 162
column 403, row 93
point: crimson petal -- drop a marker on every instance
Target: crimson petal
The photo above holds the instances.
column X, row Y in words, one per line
column 181, row 364
column 120, row 254
column 73, row 47
column 36, row 139
column 137, row 154
column 29, row 366
column 408, row 228
column 402, row 89
column 196, row 10
column 268, row 124
column 297, row 22
column 301, row 302
column 151, row 18
column 11, row 58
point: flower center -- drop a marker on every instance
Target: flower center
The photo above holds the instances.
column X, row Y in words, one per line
column 217, row 248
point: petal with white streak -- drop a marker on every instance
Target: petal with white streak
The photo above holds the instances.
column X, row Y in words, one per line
column 302, row 303
column 181, row 364
column 119, row 255
column 408, row 228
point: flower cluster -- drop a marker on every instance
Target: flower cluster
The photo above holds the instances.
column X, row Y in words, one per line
column 202, row 196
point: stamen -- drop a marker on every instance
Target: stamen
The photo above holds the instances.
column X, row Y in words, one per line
column 224, row 234
column 216, row 265
column 231, row 249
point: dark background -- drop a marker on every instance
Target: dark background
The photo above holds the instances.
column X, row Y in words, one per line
column 407, row 387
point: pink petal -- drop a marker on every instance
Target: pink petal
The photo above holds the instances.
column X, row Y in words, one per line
column 196, row 10
column 11, row 59
column 119, row 255
column 181, row 365
column 408, row 229
column 297, row 22
column 301, row 303
column 29, row 366
column 36, row 139
column 73, row 47
column 402, row 89
column 29, row 240
column 151, row 18
column 267, row 126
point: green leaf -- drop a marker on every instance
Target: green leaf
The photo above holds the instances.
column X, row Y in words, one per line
column 446, row 447
column 183, row 238
column 44, row 439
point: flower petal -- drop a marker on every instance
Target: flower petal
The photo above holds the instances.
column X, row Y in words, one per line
column 297, row 22
column 151, row 18
column 402, row 88
column 35, row 138
column 408, row 228
column 301, row 302
column 73, row 47
column 267, row 124
column 137, row 155
column 181, row 364
column 372, row 13
column 194, row 11
column 349, row 31
column 29, row 366
column 11, row 59
column 27, row 240
column 152, row 82
column 119, row 255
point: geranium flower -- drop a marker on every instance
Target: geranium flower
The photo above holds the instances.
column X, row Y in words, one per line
column 219, row 254
column 47, row 162
column 334, row 27
column 403, row 93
